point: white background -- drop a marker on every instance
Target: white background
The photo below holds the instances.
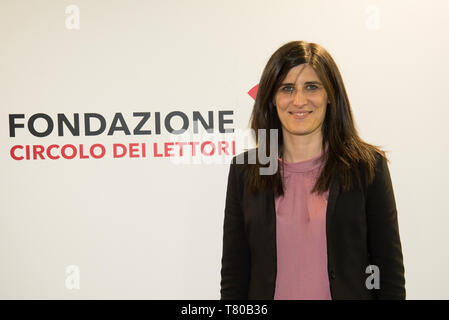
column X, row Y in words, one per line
column 150, row 229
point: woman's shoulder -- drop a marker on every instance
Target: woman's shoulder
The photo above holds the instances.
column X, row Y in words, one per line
column 380, row 160
column 374, row 166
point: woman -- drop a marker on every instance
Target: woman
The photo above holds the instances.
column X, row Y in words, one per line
column 324, row 226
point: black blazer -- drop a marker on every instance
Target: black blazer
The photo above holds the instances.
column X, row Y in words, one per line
column 361, row 229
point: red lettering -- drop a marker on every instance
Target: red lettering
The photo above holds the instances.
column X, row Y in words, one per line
column 82, row 155
column 116, row 154
column 144, row 150
column 12, row 152
column 203, row 145
column 133, row 147
column 181, row 144
column 97, row 156
column 193, row 147
column 223, row 148
column 167, row 149
column 155, row 151
column 37, row 151
column 64, row 154
column 27, row 149
column 49, row 152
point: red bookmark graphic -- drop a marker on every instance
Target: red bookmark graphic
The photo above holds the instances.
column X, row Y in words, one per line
column 253, row 92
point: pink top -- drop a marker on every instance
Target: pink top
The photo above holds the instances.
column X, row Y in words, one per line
column 301, row 235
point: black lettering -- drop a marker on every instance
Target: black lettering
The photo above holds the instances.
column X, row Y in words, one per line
column 124, row 127
column 33, row 131
column 146, row 116
column 13, row 125
column 158, row 122
column 208, row 126
column 222, row 121
column 87, row 117
column 74, row 129
column 185, row 124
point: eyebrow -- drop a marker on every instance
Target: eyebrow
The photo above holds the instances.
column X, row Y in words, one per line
column 307, row 82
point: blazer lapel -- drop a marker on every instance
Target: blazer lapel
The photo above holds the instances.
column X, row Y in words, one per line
column 334, row 191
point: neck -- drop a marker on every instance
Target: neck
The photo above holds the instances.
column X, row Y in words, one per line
column 300, row 148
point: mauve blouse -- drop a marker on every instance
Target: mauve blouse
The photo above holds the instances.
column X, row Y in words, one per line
column 301, row 235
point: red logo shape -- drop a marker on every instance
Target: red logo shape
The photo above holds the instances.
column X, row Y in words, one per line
column 253, row 91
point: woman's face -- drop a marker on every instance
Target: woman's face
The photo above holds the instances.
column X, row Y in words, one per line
column 301, row 102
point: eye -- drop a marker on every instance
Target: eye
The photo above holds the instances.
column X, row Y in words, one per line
column 314, row 87
column 288, row 89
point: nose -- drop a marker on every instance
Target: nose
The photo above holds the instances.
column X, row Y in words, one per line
column 299, row 98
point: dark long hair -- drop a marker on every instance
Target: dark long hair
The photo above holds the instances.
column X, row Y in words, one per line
column 346, row 153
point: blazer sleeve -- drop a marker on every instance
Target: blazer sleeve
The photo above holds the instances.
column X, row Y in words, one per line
column 384, row 243
column 235, row 264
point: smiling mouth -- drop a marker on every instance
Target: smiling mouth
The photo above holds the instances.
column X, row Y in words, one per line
column 300, row 115
column 300, row 112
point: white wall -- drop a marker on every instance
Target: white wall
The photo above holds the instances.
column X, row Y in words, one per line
column 149, row 228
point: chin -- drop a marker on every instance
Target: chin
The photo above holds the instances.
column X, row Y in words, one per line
column 299, row 132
